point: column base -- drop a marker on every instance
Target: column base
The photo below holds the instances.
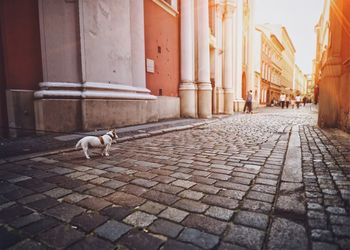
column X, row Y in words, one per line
column 219, row 103
column 204, row 100
column 228, row 93
column 188, row 100
column 238, row 105
column 66, row 107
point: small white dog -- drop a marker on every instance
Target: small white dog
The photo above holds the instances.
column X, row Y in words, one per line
column 104, row 141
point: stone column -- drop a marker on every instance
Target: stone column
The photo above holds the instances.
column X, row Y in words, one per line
column 138, row 43
column 238, row 100
column 228, row 57
column 329, row 114
column 187, row 89
column 250, row 82
column 219, row 10
column 204, row 85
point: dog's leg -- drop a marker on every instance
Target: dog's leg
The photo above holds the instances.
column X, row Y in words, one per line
column 103, row 151
column 85, row 149
column 107, row 149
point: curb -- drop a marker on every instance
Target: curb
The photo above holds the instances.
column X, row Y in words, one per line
column 119, row 140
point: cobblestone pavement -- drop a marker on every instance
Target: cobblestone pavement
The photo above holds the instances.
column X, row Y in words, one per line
column 55, row 141
column 270, row 180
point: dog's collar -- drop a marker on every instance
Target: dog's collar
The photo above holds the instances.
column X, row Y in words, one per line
column 112, row 137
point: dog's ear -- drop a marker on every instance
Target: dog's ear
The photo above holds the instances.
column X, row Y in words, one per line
column 114, row 130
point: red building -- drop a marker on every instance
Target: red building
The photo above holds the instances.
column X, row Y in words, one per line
column 162, row 46
column 65, row 65
column 20, row 63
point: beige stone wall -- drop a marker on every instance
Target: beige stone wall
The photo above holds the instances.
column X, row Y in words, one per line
column 106, row 41
column 118, row 113
column 62, row 115
column 90, row 114
column 168, row 107
column 60, row 42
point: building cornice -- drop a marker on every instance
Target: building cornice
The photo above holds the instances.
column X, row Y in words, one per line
column 276, row 41
column 168, row 8
column 288, row 38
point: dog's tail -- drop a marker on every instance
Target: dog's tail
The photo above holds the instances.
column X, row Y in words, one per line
column 78, row 144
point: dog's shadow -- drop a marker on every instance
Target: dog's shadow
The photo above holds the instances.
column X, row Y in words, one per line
column 94, row 155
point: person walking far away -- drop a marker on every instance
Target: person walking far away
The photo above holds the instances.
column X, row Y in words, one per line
column 298, row 100
column 304, row 100
column 282, row 99
column 250, row 101
column 246, row 103
column 287, row 101
column 292, row 101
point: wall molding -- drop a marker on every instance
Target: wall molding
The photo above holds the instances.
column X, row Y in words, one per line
column 168, row 8
column 92, row 90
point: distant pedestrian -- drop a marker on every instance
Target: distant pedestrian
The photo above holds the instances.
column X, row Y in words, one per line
column 304, row 100
column 248, row 102
column 287, row 101
column 292, row 101
column 245, row 104
column 298, row 100
column 282, row 100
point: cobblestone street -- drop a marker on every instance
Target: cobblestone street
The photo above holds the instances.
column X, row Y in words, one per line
column 270, row 180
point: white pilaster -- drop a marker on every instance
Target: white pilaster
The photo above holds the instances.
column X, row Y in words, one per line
column 138, row 43
column 250, row 83
column 187, row 89
column 219, row 11
column 228, row 57
column 204, row 85
column 238, row 57
column 238, row 100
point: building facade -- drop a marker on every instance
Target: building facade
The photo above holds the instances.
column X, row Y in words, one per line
column 86, row 72
column 164, row 59
column 162, row 52
column 310, row 87
column 269, row 64
column 332, row 71
column 288, row 56
column 213, row 81
column 300, row 81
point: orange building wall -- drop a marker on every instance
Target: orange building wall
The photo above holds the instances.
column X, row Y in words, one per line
column 344, row 90
column 334, row 89
column 21, row 43
column 345, row 53
column 162, row 44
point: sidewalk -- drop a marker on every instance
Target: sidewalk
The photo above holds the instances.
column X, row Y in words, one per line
column 23, row 146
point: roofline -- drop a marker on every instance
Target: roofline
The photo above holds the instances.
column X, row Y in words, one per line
column 274, row 38
column 290, row 40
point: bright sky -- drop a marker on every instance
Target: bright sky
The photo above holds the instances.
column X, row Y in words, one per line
column 300, row 18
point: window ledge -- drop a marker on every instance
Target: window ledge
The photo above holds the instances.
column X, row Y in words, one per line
column 166, row 7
